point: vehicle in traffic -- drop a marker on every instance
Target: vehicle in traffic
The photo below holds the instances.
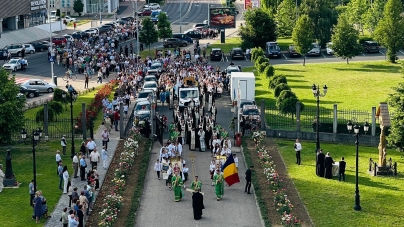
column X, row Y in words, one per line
column 329, row 49
column 206, row 22
column 129, row 18
column 104, row 28
column 273, row 50
column 91, row 31
column 244, row 102
column 232, row 68
column 154, row 72
column 153, row 6
column 314, row 50
column 236, row 52
column 152, row 85
column 183, row 37
column 188, row 95
column 200, row 26
column 142, row 105
column 14, row 49
column 40, row 85
column 29, row 48
column 38, row 46
column 58, row 41
column 68, row 38
column 13, row 64
column 174, row 42
column 371, row 46
column 121, row 22
column 251, row 113
column 155, row 15
column 140, row 118
column 292, row 52
column 194, row 34
column 144, row 12
column 30, row 93
column 216, row 54
column 150, row 78
column 156, row 66
column 146, row 95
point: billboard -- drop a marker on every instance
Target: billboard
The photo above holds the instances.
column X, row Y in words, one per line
column 250, row 4
column 222, row 17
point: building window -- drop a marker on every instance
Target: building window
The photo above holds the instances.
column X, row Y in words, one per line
column 67, row 3
column 52, row 3
column 63, row 4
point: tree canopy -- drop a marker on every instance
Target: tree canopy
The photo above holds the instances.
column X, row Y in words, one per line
column 148, row 35
column 302, row 35
column 396, row 100
column 164, row 26
column 286, row 17
column 78, row 6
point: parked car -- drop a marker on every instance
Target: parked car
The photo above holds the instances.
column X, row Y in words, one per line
column 273, row 50
column 29, row 92
column 251, row 113
column 232, row 68
column 200, row 26
column 14, row 49
column 153, row 6
column 314, row 50
column 144, row 12
column 127, row 18
column 91, row 31
column 292, row 52
column 38, row 46
column 206, row 22
column 104, row 28
column 371, row 46
column 193, row 34
column 329, row 49
column 68, row 38
column 29, row 48
column 236, row 52
column 183, row 37
column 216, row 54
column 121, row 22
column 152, row 85
column 40, row 85
column 14, row 64
column 69, row 19
column 59, row 41
column 174, row 42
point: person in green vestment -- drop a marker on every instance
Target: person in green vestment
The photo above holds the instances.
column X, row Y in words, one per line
column 219, row 185
column 176, row 181
column 195, row 185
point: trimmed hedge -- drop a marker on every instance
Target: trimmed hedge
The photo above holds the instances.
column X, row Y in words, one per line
column 281, row 87
column 277, row 79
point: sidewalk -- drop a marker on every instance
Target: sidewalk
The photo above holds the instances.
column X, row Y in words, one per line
column 64, row 199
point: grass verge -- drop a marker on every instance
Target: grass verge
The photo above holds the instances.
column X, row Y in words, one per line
column 78, row 23
column 330, row 202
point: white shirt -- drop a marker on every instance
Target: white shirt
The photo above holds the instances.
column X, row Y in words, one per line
column 157, row 166
column 75, row 159
column 216, row 141
column 212, row 167
column 298, row 146
column 236, row 161
column 94, row 156
column 58, row 158
column 185, row 170
column 65, row 175
column 228, row 143
column 91, row 145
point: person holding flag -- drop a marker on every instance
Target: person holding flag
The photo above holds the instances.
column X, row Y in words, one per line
column 230, row 172
column 219, row 186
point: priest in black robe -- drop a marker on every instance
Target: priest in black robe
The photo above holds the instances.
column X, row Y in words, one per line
column 328, row 166
column 197, row 204
column 320, row 163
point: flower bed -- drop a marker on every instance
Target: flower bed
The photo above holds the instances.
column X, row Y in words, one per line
column 281, row 202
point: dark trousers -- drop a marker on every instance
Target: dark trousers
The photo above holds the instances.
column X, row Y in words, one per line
column 64, row 150
column 93, row 164
column 341, row 175
column 61, row 180
column 70, row 200
column 31, row 199
column 247, row 187
column 83, row 173
column 65, row 225
column 298, row 160
column 105, row 143
column 158, row 174
column 86, row 84
column 57, row 166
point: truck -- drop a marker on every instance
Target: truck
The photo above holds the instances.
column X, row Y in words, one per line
column 242, row 85
column 186, row 95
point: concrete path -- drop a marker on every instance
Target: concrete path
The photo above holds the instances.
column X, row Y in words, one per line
column 235, row 209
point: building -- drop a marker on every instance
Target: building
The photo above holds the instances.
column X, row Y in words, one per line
column 90, row 6
column 20, row 14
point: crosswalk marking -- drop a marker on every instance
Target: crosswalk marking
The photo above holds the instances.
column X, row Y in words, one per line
column 21, row 80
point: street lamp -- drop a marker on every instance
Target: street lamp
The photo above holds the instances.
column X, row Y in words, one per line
column 317, row 94
column 356, row 128
column 73, row 96
column 35, row 139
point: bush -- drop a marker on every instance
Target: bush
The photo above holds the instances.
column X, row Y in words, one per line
column 56, row 107
column 40, row 115
column 286, row 102
column 269, row 71
column 256, row 52
column 260, row 60
column 277, row 79
column 261, row 67
column 281, row 87
column 57, row 96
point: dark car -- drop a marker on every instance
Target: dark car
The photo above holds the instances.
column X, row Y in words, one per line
column 28, row 92
column 38, row 46
column 273, row 50
column 194, row 34
column 216, row 54
column 236, row 52
column 174, row 42
column 121, row 22
column 76, row 35
column 371, row 46
column 128, row 18
column 83, row 34
column 144, row 12
column 104, row 28
column 292, row 51
column 183, row 37
column 2, row 57
column 59, row 41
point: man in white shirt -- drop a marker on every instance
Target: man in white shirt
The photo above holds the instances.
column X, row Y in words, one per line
column 215, row 141
column 235, row 160
column 157, row 168
column 75, row 165
column 58, row 159
column 179, row 148
column 298, row 148
column 94, row 158
column 90, row 145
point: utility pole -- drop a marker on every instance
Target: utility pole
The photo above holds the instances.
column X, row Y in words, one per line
column 137, row 31
column 50, row 42
column 181, row 16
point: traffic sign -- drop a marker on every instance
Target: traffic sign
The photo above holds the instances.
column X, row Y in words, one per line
column 51, row 59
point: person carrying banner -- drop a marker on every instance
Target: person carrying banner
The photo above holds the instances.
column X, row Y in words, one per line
column 176, row 182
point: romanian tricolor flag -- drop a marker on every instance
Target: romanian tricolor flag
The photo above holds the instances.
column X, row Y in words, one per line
column 230, row 172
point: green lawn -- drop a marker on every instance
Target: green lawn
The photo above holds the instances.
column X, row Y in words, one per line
column 330, row 202
column 78, row 23
column 15, row 202
column 226, row 47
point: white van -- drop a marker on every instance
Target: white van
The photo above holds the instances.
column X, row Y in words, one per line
column 186, row 95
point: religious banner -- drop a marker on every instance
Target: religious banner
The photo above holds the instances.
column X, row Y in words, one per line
column 192, row 147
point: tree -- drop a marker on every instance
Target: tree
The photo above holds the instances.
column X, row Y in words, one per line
column 148, row 35
column 395, row 100
column 345, row 39
column 11, row 106
column 302, row 35
column 58, row 12
column 259, row 28
column 286, row 103
column 277, row 79
column 281, row 87
column 324, row 17
column 269, row 71
column 356, row 12
column 374, row 14
column 256, row 52
column 286, row 18
column 78, row 6
column 164, row 26
column 390, row 30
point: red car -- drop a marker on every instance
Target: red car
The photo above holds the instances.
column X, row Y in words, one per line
column 59, row 41
column 145, row 12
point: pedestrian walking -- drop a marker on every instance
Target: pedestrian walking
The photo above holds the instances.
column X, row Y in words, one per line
column 157, row 168
column 104, row 156
column 105, row 138
column 60, row 172
column 58, row 160
column 94, row 158
column 31, row 193
column 83, row 166
column 63, row 143
column 75, row 165
column 298, row 149
column 248, row 180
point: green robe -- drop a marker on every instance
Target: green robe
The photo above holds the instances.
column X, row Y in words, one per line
column 196, row 185
column 177, row 184
column 219, row 185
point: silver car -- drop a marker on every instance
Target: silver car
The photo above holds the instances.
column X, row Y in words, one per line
column 40, row 85
column 29, row 48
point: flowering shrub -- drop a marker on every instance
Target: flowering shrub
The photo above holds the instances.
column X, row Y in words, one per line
column 281, row 202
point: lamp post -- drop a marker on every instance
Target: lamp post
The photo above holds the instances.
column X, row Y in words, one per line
column 73, row 97
column 356, row 128
column 317, row 94
column 181, row 16
column 36, row 134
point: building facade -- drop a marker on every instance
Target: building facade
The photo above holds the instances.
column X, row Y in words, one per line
column 20, row 14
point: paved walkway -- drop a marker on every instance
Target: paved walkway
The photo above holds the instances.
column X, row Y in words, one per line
column 235, row 209
column 64, row 199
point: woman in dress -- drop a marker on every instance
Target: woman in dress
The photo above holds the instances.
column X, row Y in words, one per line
column 37, row 206
column 65, row 179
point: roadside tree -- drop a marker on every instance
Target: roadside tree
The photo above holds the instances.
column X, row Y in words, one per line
column 345, row 39
column 148, row 35
column 356, row 13
column 164, row 27
column 286, row 103
column 11, row 105
column 78, row 6
column 374, row 14
column 259, row 28
column 286, row 18
column 302, row 35
column 390, row 30
column 395, row 100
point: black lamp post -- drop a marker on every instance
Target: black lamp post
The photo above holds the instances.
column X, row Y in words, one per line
column 317, row 94
column 356, row 128
column 73, row 97
column 36, row 134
